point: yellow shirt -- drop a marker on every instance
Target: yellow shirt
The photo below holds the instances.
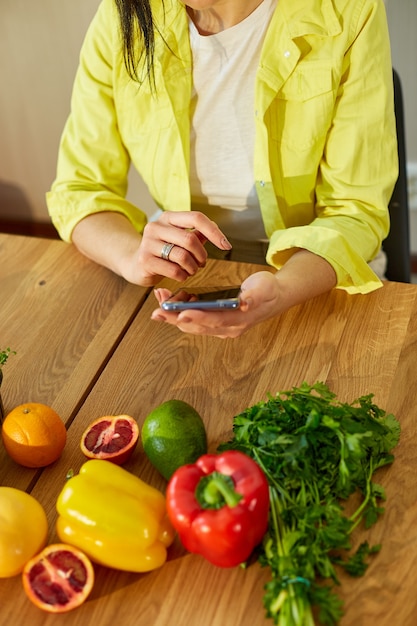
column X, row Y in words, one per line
column 325, row 160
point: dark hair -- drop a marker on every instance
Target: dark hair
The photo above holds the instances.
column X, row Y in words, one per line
column 136, row 19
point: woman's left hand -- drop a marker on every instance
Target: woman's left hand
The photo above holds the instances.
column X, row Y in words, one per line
column 259, row 301
column 264, row 295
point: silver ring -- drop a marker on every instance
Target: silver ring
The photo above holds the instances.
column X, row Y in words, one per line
column 166, row 250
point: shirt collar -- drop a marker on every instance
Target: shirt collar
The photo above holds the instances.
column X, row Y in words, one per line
column 317, row 17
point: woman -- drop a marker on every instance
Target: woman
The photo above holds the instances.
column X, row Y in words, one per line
column 272, row 120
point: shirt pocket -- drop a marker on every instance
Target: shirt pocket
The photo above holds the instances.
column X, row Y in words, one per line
column 302, row 112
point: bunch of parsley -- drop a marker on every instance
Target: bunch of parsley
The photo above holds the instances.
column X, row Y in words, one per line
column 315, row 453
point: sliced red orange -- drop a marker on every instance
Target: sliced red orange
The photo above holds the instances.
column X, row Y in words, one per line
column 112, row 437
column 59, row 578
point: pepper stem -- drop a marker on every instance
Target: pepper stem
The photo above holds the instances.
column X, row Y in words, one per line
column 217, row 490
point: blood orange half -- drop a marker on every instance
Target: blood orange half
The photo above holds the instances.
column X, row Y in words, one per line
column 112, row 437
column 59, row 578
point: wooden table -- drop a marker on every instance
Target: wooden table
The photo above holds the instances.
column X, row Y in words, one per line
column 64, row 316
column 356, row 344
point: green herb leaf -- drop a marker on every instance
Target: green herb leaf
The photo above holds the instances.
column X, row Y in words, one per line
column 4, row 355
column 315, row 452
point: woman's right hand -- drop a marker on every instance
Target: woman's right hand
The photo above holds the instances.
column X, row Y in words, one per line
column 187, row 231
column 110, row 239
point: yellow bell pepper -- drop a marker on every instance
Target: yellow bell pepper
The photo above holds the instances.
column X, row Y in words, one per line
column 114, row 517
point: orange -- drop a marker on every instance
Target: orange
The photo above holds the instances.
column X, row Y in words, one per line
column 33, row 434
column 111, row 437
column 59, row 578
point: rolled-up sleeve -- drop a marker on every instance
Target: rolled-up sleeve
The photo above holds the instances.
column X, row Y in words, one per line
column 93, row 163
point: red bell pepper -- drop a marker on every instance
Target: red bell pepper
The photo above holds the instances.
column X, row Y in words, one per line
column 219, row 506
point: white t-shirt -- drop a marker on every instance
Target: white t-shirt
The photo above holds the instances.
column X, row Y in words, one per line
column 223, row 126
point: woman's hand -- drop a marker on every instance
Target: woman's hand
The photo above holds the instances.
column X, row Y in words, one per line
column 264, row 295
column 109, row 238
column 181, row 235
column 259, row 301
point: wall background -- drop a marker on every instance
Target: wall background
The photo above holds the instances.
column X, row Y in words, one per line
column 39, row 48
column 402, row 22
column 39, row 45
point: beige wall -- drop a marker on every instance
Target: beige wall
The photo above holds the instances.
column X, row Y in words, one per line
column 402, row 22
column 39, row 47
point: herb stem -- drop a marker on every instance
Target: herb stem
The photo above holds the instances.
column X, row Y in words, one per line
column 357, row 515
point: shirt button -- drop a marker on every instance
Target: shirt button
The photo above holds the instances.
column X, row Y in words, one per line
column 262, row 183
column 287, row 54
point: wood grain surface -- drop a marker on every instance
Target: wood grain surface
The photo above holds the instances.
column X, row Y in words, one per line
column 356, row 344
column 63, row 315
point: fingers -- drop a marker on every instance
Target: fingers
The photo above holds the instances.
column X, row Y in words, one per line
column 160, row 255
column 215, row 325
column 189, row 254
column 161, row 294
column 222, row 325
column 199, row 224
column 173, row 245
column 187, row 250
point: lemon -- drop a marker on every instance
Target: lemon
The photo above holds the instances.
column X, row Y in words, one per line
column 173, row 434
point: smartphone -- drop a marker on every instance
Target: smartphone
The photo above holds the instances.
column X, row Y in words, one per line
column 220, row 300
